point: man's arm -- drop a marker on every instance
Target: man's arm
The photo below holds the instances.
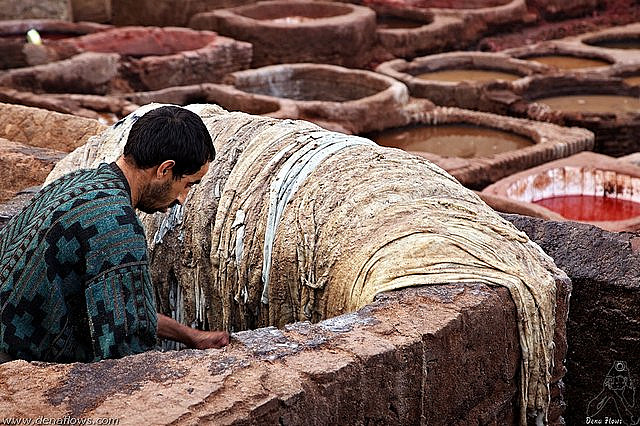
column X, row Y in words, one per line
column 170, row 329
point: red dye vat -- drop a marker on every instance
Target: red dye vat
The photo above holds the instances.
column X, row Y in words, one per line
column 590, row 208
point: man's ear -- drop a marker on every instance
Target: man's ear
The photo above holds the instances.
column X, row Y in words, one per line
column 164, row 168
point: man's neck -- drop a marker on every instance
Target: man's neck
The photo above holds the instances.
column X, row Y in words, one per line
column 137, row 179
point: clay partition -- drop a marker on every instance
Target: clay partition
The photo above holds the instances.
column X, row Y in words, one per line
column 387, row 363
column 578, row 58
column 584, row 174
column 616, row 128
column 297, row 31
column 462, row 94
column 32, row 141
column 548, row 142
column 601, row 330
column 16, row 52
column 346, row 100
column 408, row 32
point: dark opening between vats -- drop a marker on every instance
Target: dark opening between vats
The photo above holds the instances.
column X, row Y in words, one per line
column 460, row 4
column 391, row 22
column 615, row 43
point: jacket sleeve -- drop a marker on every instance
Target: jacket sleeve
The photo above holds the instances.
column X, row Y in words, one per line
column 121, row 312
column 119, row 294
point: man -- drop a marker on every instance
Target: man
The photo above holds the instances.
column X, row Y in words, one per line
column 74, row 274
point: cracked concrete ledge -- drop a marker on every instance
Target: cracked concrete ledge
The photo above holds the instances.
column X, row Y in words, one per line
column 436, row 355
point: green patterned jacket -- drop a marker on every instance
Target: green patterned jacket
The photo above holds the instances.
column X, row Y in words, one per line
column 74, row 274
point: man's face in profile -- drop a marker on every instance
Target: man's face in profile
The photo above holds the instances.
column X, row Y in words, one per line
column 160, row 196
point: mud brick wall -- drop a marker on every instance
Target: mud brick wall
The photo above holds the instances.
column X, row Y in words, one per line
column 603, row 326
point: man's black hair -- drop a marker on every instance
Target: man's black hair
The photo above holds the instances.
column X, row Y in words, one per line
column 170, row 133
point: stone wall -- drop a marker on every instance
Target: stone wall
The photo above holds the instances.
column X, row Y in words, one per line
column 603, row 325
column 436, row 355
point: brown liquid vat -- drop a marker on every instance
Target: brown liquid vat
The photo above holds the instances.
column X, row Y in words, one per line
column 633, row 80
column 606, row 106
column 325, row 32
column 593, row 104
column 586, row 174
column 534, row 143
column 566, row 62
column 622, row 43
column 475, row 75
column 452, row 140
column 563, row 56
column 467, row 94
column 337, row 98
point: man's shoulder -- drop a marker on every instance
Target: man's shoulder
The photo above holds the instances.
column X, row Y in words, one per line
column 82, row 196
column 83, row 186
column 102, row 176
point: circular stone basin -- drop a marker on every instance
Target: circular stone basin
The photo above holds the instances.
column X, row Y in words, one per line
column 590, row 208
column 585, row 187
column 319, row 85
column 143, row 41
column 615, row 43
column 342, row 99
column 568, row 62
column 596, row 104
column 297, row 31
column 452, row 140
column 458, row 75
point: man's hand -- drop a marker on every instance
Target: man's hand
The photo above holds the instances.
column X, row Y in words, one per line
column 209, row 339
column 169, row 328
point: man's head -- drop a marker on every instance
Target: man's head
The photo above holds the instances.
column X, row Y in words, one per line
column 173, row 146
